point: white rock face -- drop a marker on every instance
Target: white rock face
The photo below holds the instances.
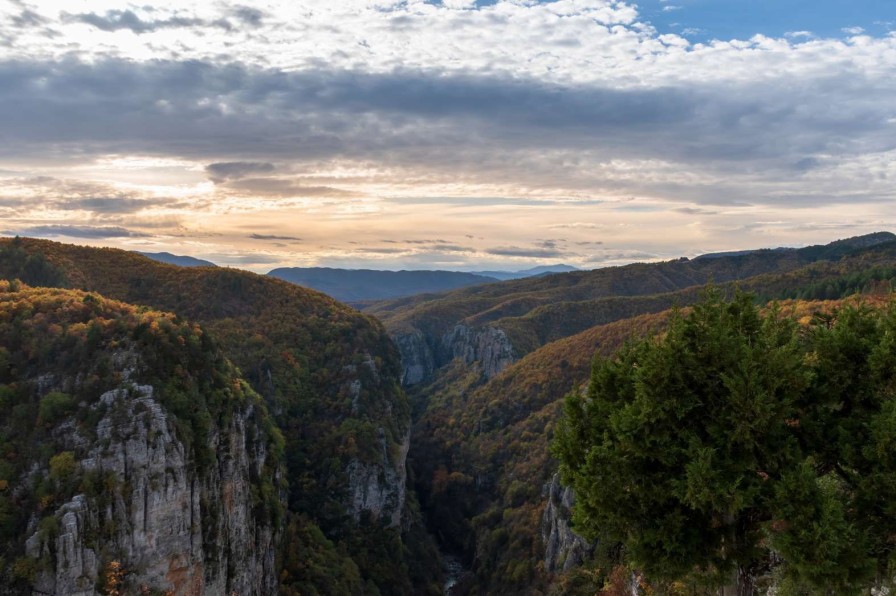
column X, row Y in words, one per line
column 417, row 362
column 380, row 488
column 376, row 482
column 489, row 346
column 172, row 527
column 564, row 549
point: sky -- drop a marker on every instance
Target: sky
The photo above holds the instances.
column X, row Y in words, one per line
column 450, row 134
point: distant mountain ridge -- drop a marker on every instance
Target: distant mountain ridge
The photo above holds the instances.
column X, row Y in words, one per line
column 356, row 285
column 180, row 260
column 531, row 272
column 364, row 285
column 853, row 243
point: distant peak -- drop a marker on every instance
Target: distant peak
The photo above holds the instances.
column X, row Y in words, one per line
column 180, row 260
column 549, row 269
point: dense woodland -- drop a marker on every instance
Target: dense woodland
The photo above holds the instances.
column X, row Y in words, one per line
column 480, row 447
column 78, row 337
column 299, row 349
column 481, row 455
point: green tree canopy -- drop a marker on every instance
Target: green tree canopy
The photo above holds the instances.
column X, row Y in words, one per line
column 739, row 439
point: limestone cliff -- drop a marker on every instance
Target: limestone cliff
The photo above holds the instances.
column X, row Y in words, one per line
column 487, row 345
column 417, row 361
column 379, row 488
column 564, row 549
column 377, row 478
column 147, row 460
column 421, row 356
column 170, row 526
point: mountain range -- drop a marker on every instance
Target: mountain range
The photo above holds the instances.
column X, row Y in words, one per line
column 357, row 286
column 360, row 286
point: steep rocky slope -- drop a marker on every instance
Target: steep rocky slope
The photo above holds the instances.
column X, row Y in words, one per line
column 484, row 467
column 480, row 440
column 331, row 379
column 132, row 451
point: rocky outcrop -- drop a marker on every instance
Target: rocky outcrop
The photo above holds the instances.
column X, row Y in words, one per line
column 377, row 478
column 417, row 361
column 564, row 549
column 380, row 487
column 489, row 346
column 174, row 526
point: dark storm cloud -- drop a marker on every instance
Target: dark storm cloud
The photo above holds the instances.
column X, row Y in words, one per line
column 95, row 232
column 478, row 126
column 234, row 170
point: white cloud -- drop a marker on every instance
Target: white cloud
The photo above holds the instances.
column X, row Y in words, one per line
column 587, row 41
column 459, row 4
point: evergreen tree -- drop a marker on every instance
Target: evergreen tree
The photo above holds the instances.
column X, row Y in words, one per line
column 737, row 439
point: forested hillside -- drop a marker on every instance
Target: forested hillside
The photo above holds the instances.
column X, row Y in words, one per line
column 132, row 454
column 486, row 398
column 330, row 377
column 535, row 311
column 480, row 440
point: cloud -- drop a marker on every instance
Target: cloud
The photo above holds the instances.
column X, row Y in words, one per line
column 438, row 117
column 242, row 260
column 480, row 128
column 234, row 170
column 248, row 15
column 377, row 250
column 577, row 225
column 94, row 232
column 99, row 199
column 282, row 187
column 450, row 248
column 29, row 18
column 115, row 20
column 694, row 211
column 535, row 253
column 272, row 237
column 114, row 205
